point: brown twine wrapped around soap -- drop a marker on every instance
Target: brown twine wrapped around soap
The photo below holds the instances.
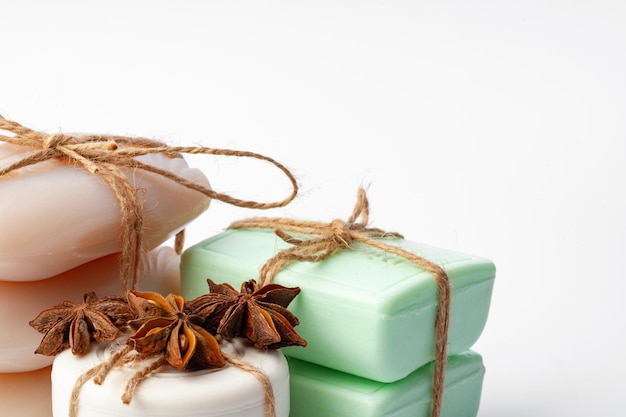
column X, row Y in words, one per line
column 106, row 155
column 327, row 238
column 269, row 403
column 124, row 356
column 99, row 373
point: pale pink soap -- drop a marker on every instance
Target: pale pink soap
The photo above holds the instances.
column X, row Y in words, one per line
column 55, row 216
column 363, row 311
column 26, row 394
column 21, row 302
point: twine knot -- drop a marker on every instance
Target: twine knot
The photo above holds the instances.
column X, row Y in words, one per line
column 324, row 239
column 54, row 141
column 106, row 155
column 341, row 233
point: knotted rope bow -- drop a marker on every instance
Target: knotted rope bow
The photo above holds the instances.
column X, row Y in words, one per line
column 328, row 238
column 105, row 155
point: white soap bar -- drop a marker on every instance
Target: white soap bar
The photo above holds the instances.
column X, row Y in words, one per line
column 21, row 302
column 55, row 217
column 229, row 391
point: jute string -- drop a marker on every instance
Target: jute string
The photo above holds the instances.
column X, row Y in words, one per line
column 266, row 384
column 119, row 358
column 99, row 373
column 105, row 156
column 125, row 356
column 328, row 238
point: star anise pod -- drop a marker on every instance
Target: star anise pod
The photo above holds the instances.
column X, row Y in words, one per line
column 76, row 325
column 259, row 314
column 164, row 328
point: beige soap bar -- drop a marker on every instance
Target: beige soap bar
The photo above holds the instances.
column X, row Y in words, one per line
column 26, row 394
column 21, row 302
column 55, row 217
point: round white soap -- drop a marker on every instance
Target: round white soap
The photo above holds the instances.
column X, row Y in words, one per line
column 228, row 391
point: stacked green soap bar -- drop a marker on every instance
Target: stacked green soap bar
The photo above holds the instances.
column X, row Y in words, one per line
column 318, row 391
column 363, row 311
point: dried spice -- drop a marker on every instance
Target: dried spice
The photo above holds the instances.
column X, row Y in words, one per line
column 163, row 328
column 76, row 325
column 259, row 314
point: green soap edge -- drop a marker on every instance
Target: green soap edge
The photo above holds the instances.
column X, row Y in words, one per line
column 319, row 391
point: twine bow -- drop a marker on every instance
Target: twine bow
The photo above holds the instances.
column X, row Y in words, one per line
column 328, row 238
column 105, row 155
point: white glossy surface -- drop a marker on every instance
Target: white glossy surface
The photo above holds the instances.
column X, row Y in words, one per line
column 228, row 391
column 20, row 302
column 55, row 217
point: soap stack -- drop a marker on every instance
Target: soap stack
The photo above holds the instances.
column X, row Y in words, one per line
column 368, row 317
column 367, row 312
column 61, row 239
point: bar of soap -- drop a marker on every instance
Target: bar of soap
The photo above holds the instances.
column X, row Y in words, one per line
column 21, row 302
column 362, row 311
column 26, row 394
column 55, row 217
column 228, row 391
column 317, row 391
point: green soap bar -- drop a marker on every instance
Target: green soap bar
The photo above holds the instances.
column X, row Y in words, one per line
column 362, row 311
column 317, row 391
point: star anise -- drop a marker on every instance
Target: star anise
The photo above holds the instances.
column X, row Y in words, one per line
column 259, row 314
column 164, row 328
column 76, row 325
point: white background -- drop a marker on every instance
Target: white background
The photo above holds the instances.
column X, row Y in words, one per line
column 493, row 128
